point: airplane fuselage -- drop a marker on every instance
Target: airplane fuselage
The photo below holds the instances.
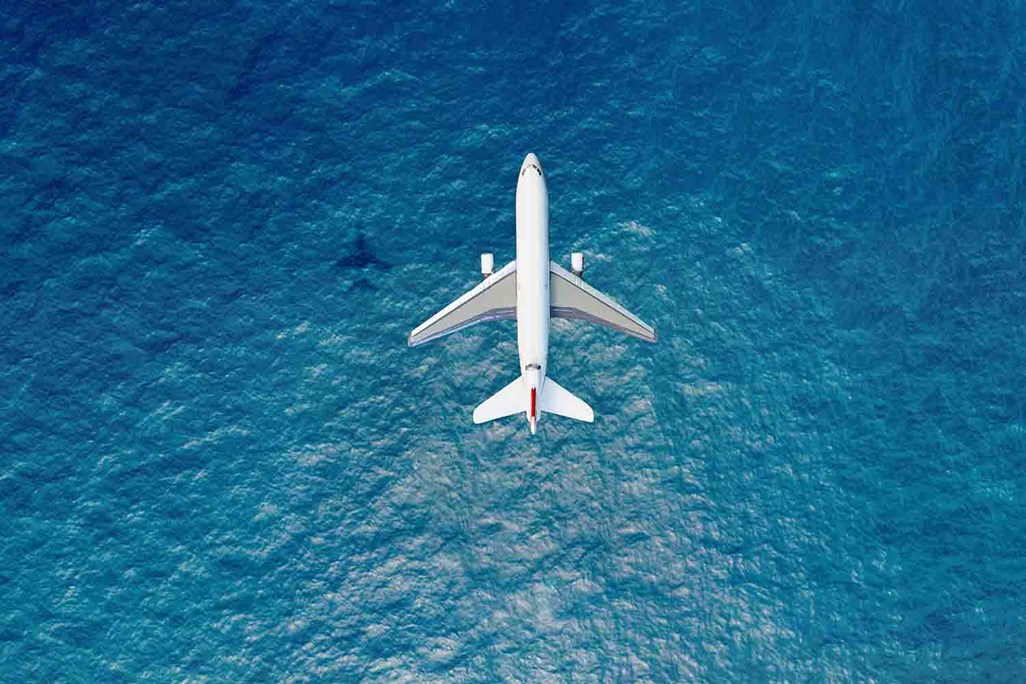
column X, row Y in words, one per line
column 533, row 279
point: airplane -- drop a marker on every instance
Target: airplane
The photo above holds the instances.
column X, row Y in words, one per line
column 532, row 289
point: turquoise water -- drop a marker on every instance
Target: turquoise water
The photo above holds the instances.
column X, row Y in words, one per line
column 220, row 461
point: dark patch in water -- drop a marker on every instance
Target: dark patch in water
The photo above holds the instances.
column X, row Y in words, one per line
column 361, row 256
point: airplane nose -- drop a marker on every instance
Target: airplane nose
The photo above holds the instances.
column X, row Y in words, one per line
column 531, row 161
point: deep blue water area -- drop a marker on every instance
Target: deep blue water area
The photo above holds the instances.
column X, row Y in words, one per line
column 220, row 462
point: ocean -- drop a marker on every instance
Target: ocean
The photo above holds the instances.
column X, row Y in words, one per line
column 220, row 461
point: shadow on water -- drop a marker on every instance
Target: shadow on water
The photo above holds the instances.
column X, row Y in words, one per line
column 361, row 256
column 363, row 285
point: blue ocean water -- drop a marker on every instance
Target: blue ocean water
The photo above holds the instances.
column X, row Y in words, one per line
column 220, row 461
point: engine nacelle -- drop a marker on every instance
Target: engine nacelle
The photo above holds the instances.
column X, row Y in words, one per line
column 487, row 264
column 577, row 264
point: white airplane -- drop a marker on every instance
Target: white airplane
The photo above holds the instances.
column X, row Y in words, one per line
column 532, row 290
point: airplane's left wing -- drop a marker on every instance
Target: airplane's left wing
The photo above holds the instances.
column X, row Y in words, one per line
column 495, row 299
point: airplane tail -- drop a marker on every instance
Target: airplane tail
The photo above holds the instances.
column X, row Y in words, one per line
column 516, row 398
column 513, row 398
column 555, row 399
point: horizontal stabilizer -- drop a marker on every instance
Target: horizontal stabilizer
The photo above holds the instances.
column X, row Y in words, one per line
column 512, row 398
column 555, row 399
column 573, row 298
column 495, row 299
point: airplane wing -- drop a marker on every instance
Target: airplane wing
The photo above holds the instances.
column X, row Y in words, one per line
column 495, row 299
column 573, row 298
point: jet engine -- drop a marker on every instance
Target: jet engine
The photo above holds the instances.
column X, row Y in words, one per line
column 577, row 264
column 487, row 264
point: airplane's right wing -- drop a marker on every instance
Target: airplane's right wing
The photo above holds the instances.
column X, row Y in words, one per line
column 494, row 299
column 573, row 298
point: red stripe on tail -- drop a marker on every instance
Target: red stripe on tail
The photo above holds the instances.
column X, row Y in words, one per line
column 533, row 391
